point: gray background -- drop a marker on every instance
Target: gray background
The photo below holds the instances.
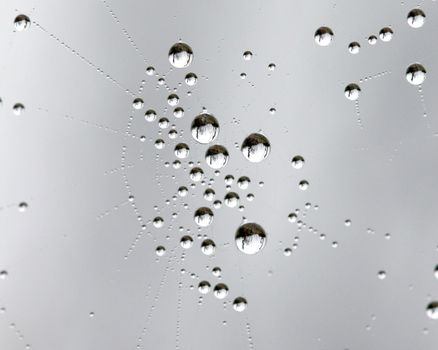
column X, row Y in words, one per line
column 79, row 248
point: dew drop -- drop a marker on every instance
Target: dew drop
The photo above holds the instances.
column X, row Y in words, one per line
column 204, row 287
column 160, row 250
column 217, row 156
column 203, row 216
column 416, row 18
column 182, row 150
column 372, row 40
column 243, row 182
column 352, row 92
column 354, row 48
column 255, row 147
column 416, row 74
column 247, row 55
column 250, row 238
column 323, row 36
column 231, row 199
column 297, row 162
column 386, row 34
column 150, row 115
column 21, row 23
column 18, row 109
column 220, row 291
column 205, row 128
column 208, row 247
column 239, row 304
column 432, row 310
column 180, row 55
column 191, row 79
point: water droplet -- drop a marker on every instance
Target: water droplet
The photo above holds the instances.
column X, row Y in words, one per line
column 243, row 182
column 372, row 40
column 323, row 36
column 208, row 247
column 182, row 191
column 247, row 55
column 150, row 70
column 182, row 150
column 416, row 74
column 196, row 174
column 297, row 162
column 220, row 291
column 352, row 91
column 21, row 23
column 292, row 217
column 204, row 287
column 158, row 222
column 160, row 250
column 354, row 48
column 217, row 156
column 381, row 275
column 163, row 123
column 256, row 147
column 150, row 115
column 287, row 252
column 3, row 274
column 239, row 304
column 436, row 272
column 191, row 79
column 22, row 207
column 432, row 310
column 205, row 128
column 386, row 34
column 416, row 18
column 178, row 112
column 159, row 144
column 173, row 100
column 203, row 216
column 18, row 109
column 271, row 67
column 250, row 238
column 303, row 185
column 209, row 194
column 216, row 271
column 231, row 199
column 180, row 55
column 138, row 103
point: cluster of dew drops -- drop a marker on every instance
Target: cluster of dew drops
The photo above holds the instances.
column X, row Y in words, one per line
column 250, row 237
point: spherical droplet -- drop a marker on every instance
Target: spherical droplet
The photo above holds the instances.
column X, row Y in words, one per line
column 18, row 109
column 352, row 91
column 138, row 103
column 208, row 247
column 158, row 222
column 186, row 242
column 180, row 55
column 173, row 100
column 150, row 115
column 191, row 79
column 381, row 275
column 231, row 199
column 21, row 23
column 178, row 112
column 372, row 40
column 432, row 310
column 220, row 291
column 217, row 156
column 243, row 182
column 303, row 185
column 416, row 18
column 3, row 274
column 160, row 250
column 323, row 36
column 354, row 48
column 182, row 191
column 22, row 207
column 386, row 34
column 204, row 287
column 297, row 162
column 205, row 128
column 216, row 271
column 196, row 174
column 416, row 74
column 250, row 238
column 256, row 147
column 239, row 304
column 247, row 55
column 203, row 216
column 182, row 150
column 209, row 194
column 150, row 70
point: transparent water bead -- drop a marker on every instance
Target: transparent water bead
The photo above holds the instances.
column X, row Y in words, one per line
column 21, row 23
column 203, row 216
column 250, row 238
column 416, row 74
column 239, row 304
column 180, row 55
column 416, row 18
column 323, row 36
column 352, row 92
column 217, row 156
column 205, row 128
column 256, row 147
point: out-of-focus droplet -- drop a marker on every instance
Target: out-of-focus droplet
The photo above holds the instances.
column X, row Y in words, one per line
column 416, row 18
column 303, row 185
column 205, row 128
column 182, row 150
column 386, row 34
column 239, row 304
column 150, row 70
column 292, row 217
column 352, row 92
column 204, row 287
column 436, row 272
column 180, row 55
column 203, row 216
column 160, row 250
column 323, row 36
column 247, row 55
column 287, row 252
column 21, row 23
column 354, row 48
column 138, row 103
column 3, row 274
column 432, row 310
column 186, row 242
column 297, row 162
column 191, row 79
column 150, row 115
column 220, row 291
column 231, row 199
column 216, row 271
column 216, row 156
column 256, row 147
column 381, row 275
column 250, row 238
column 208, row 247
column 18, row 109
column 22, row 207
column 416, row 74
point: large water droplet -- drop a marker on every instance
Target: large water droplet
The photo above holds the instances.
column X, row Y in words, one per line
column 180, row 55
column 138, row 103
column 220, row 291
column 386, row 34
column 191, row 79
column 204, row 287
column 323, row 36
column 21, row 22
column 256, row 147
column 239, row 304
column 352, row 92
column 250, row 238
column 416, row 18
column 203, row 216
column 205, row 128
column 416, row 74
column 217, row 156
column 186, row 242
